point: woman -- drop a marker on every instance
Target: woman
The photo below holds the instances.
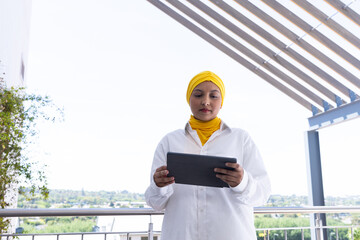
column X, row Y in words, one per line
column 197, row 212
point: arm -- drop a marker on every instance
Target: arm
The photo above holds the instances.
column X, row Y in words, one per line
column 250, row 183
column 160, row 190
column 258, row 188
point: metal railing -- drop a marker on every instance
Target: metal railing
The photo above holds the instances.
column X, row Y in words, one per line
column 150, row 233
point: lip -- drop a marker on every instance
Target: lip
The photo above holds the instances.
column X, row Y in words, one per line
column 204, row 110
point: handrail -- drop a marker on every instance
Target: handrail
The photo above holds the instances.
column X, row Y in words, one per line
column 307, row 209
column 141, row 233
column 60, row 212
column 42, row 212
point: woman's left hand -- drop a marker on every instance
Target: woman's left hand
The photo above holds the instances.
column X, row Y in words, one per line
column 231, row 177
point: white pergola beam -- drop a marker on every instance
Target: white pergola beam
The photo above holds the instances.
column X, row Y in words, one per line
column 345, row 9
column 304, row 45
column 313, row 32
column 233, row 55
column 339, row 29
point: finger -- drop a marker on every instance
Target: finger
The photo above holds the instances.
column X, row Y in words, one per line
column 235, row 166
column 230, row 181
column 228, row 178
column 226, row 171
column 162, row 182
column 162, row 173
column 164, row 179
column 161, row 168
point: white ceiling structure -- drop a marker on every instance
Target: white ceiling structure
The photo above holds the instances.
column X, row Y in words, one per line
column 307, row 49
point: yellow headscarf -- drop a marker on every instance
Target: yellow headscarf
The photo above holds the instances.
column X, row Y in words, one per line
column 202, row 77
column 205, row 129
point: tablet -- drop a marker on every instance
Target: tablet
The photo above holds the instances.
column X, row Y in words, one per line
column 196, row 169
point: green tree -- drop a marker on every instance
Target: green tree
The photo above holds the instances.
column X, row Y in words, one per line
column 283, row 222
column 356, row 234
column 19, row 114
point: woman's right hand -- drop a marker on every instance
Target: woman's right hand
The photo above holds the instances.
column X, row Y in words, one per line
column 160, row 177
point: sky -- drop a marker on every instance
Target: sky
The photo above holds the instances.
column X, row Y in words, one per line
column 120, row 70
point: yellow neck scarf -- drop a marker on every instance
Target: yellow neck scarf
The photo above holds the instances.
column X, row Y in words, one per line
column 204, row 129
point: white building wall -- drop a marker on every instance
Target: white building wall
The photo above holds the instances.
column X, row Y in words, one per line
column 14, row 43
column 14, row 40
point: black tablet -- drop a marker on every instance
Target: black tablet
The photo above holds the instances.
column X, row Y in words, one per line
column 196, row 169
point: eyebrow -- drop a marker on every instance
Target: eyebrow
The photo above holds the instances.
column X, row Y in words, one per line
column 215, row 90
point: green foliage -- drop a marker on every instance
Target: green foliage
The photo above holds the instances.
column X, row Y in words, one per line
column 71, row 198
column 286, row 201
column 283, row 222
column 19, row 115
column 286, row 221
column 295, row 200
column 58, row 225
column 357, row 234
column 289, row 221
column 356, row 219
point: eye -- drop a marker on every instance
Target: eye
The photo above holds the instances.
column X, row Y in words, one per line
column 197, row 95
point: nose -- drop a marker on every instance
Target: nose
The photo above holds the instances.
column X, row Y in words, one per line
column 206, row 101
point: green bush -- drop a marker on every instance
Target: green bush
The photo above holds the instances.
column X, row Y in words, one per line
column 60, row 225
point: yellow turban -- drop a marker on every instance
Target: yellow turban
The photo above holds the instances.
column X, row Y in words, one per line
column 202, row 77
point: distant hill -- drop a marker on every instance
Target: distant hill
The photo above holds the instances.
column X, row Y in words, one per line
column 71, row 198
column 124, row 198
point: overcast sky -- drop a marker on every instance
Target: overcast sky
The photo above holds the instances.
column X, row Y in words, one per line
column 120, row 69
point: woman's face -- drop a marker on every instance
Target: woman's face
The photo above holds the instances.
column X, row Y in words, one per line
column 205, row 101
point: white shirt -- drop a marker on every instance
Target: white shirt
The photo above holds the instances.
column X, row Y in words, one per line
column 209, row 213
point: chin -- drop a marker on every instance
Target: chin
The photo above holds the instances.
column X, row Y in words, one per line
column 206, row 119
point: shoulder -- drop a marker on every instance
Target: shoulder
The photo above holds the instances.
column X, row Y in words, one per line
column 237, row 131
column 171, row 140
column 240, row 135
column 175, row 133
column 179, row 133
column 226, row 128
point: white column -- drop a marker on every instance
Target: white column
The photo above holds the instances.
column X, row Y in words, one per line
column 14, row 40
column 14, row 43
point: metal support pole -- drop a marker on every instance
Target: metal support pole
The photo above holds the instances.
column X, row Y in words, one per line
column 315, row 183
column 319, row 227
column 150, row 232
column 302, row 234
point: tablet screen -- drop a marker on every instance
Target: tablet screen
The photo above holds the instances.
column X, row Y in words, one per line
column 196, row 169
